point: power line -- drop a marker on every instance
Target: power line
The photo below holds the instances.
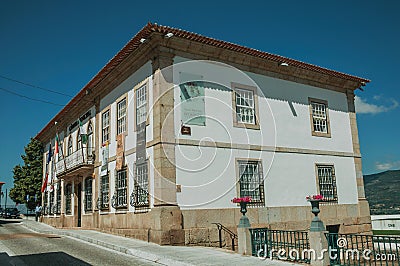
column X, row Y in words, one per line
column 30, row 98
column 34, row 86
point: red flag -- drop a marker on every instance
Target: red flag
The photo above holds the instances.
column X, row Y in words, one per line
column 45, row 182
column 56, row 147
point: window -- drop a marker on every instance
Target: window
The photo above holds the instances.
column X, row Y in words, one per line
column 319, row 118
column 327, row 182
column 88, row 194
column 68, row 194
column 141, row 190
column 51, row 203
column 121, row 116
column 58, row 200
column 90, row 148
column 120, row 189
column 104, row 191
column 79, row 141
column 69, row 151
column 245, row 106
column 45, row 204
column 106, row 126
column 251, row 181
column 141, row 105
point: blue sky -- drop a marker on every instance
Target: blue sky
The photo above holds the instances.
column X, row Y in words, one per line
column 61, row 45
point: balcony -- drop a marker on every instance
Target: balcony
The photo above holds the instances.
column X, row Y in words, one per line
column 78, row 163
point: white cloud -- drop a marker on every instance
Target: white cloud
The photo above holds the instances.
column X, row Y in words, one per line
column 387, row 166
column 362, row 107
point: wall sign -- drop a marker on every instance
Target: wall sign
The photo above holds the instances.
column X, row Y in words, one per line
column 192, row 99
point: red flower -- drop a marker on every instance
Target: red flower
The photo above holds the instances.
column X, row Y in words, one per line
column 244, row 199
column 315, row 197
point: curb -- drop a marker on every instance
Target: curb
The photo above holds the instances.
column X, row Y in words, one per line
column 133, row 252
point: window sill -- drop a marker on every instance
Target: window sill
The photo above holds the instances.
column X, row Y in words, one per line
column 248, row 126
column 321, row 134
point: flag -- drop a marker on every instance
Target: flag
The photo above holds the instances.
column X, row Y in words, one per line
column 49, row 155
column 45, row 183
column 83, row 132
column 56, row 157
column 56, row 148
column 47, row 166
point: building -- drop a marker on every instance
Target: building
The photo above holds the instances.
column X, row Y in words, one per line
column 177, row 124
column 387, row 223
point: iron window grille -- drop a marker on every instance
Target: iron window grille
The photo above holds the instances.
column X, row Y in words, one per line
column 141, row 190
column 88, row 194
column 141, row 105
column 120, row 189
column 106, row 126
column 68, row 201
column 58, row 201
column 327, row 183
column 245, row 107
column 45, row 203
column 121, row 116
column 51, row 202
column 251, row 183
column 105, row 190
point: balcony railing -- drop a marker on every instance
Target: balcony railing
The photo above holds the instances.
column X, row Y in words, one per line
column 75, row 159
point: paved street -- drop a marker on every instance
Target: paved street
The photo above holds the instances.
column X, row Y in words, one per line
column 27, row 242
column 21, row 246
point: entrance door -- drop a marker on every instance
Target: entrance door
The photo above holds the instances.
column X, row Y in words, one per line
column 79, row 205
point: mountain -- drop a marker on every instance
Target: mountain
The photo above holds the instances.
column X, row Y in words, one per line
column 383, row 192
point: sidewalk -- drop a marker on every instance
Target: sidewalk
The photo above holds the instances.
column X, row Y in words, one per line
column 164, row 255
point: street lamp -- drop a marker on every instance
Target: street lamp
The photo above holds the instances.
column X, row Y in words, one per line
column 1, row 192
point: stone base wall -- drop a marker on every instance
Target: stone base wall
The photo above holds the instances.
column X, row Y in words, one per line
column 199, row 227
column 171, row 226
column 161, row 225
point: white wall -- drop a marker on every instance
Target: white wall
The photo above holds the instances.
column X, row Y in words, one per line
column 279, row 124
column 208, row 175
column 110, row 100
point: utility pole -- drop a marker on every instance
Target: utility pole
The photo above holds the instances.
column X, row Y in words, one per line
column 5, row 204
column 1, row 192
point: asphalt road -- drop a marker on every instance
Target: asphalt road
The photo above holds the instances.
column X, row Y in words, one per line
column 21, row 246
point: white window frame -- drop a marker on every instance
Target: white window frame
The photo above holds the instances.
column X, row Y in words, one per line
column 319, row 118
column 244, row 98
column 105, row 126
column 121, row 116
column 141, row 104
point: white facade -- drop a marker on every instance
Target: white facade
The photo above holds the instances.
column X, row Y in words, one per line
column 289, row 152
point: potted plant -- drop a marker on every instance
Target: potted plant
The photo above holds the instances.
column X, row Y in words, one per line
column 243, row 203
column 316, row 223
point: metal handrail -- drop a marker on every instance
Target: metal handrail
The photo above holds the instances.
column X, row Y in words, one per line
column 231, row 234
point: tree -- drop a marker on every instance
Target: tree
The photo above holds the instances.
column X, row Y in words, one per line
column 28, row 177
